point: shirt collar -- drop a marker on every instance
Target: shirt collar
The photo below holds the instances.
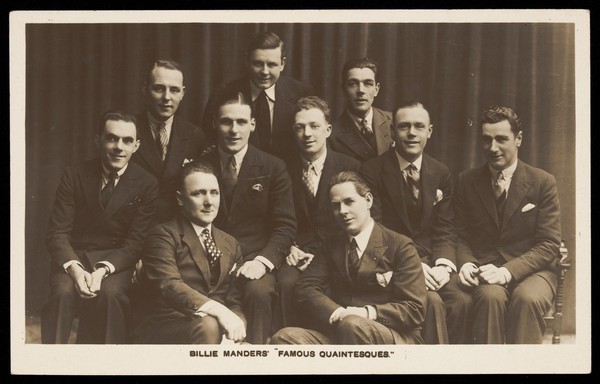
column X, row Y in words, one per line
column 318, row 163
column 154, row 123
column 239, row 157
column 106, row 172
column 357, row 120
column 198, row 228
column 362, row 239
column 508, row 172
column 255, row 91
column 405, row 163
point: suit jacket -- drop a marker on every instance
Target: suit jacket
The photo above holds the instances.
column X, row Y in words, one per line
column 287, row 93
column 80, row 229
column 315, row 221
column 177, row 271
column 434, row 235
column 346, row 138
column 261, row 213
column 186, row 142
column 400, row 304
column 529, row 238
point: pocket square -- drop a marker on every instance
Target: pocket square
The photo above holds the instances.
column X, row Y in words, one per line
column 233, row 269
column 528, row 207
column 257, row 187
column 439, row 195
column 185, row 161
column 384, row 278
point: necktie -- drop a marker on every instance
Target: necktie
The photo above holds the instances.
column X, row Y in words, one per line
column 412, row 179
column 500, row 195
column 163, row 140
column 263, row 121
column 214, row 254
column 353, row 260
column 230, row 177
column 308, row 179
column 108, row 189
column 367, row 133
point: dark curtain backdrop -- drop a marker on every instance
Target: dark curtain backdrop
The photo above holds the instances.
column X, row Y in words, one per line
column 76, row 71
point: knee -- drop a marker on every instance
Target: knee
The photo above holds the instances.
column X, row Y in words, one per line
column 261, row 289
column 523, row 298
column 351, row 324
column 287, row 335
column 110, row 291
column 205, row 330
column 63, row 288
column 490, row 294
column 434, row 301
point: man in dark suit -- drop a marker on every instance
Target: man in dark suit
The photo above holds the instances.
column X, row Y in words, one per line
column 310, row 172
column 365, row 286
column 189, row 264
column 508, row 221
column 102, row 211
column 256, row 208
column 168, row 139
column 413, row 196
column 361, row 131
column 273, row 96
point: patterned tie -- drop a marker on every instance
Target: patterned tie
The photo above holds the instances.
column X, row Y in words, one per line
column 412, row 179
column 108, row 189
column 367, row 133
column 308, row 179
column 263, row 121
column 500, row 195
column 353, row 260
column 230, row 177
column 214, row 254
column 162, row 140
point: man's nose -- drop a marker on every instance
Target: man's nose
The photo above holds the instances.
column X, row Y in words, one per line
column 494, row 146
column 264, row 70
column 119, row 145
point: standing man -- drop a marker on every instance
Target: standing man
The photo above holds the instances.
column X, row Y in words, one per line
column 189, row 265
column 310, row 172
column 102, row 210
column 508, row 221
column 361, row 131
column 364, row 287
column 413, row 196
column 168, row 139
column 256, row 208
column 273, row 96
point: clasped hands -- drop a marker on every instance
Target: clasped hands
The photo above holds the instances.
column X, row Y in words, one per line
column 471, row 276
column 88, row 284
column 234, row 326
column 435, row 277
column 298, row 258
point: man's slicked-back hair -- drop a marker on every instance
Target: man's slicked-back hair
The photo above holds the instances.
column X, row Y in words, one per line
column 363, row 62
column 232, row 98
column 265, row 40
column 194, row 166
column 498, row 113
column 313, row 102
column 409, row 104
column 117, row 115
column 164, row 63
column 350, row 177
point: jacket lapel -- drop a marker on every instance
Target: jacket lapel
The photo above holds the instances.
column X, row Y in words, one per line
column 350, row 136
column 283, row 104
column 176, row 153
column 189, row 237
column 295, row 170
column 374, row 251
column 91, row 185
column 247, row 176
column 483, row 187
column 381, row 128
column 148, row 149
column 427, row 189
column 519, row 186
column 122, row 192
column 338, row 255
column 394, row 185
column 227, row 251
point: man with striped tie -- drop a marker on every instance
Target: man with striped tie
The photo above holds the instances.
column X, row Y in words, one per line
column 508, row 222
column 189, row 267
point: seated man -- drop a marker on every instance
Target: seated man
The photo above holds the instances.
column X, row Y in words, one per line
column 366, row 285
column 256, row 208
column 413, row 196
column 310, row 172
column 508, row 222
column 102, row 211
column 189, row 264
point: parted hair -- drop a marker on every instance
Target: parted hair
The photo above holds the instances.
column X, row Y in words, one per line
column 265, row 40
column 313, row 102
column 498, row 113
column 193, row 167
column 363, row 62
column 117, row 115
column 351, row 177
column 163, row 63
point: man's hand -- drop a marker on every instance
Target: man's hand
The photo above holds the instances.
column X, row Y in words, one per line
column 232, row 324
column 440, row 275
column 82, row 280
column 97, row 277
column 493, row 275
column 298, row 258
column 252, row 270
column 468, row 275
column 340, row 313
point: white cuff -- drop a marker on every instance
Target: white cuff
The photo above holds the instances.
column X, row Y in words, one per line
column 445, row 262
column 371, row 312
column 111, row 268
column 266, row 262
column 69, row 263
column 205, row 308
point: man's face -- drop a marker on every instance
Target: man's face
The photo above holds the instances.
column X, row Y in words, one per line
column 117, row 143
column 410, row 132
column 234, row 124
column 199, row 197
column 360, row 90
column 311, row 131
column 500, row 144
column 164, row 92
column 265, row 67
column 351, row 210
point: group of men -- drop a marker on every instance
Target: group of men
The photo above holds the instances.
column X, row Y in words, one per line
column 273, row 224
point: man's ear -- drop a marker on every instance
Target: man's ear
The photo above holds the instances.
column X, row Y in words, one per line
column 136, row 146
column 519, row 138
column 283, row 59
column 369, row 198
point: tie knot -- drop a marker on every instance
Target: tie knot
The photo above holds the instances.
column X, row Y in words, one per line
column 112, row 176
column 411, row 168
column 162, row 126
column 232, row 161
column 310, row 167
column 206, row 232
column 500, row 177
column 353, row 244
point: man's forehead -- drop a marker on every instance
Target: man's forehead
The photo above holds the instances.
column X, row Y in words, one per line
column 120, row 128
column 412, row 113
column 235, row 111
column 357, row 73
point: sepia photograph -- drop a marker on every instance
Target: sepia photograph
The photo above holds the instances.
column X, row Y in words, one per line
column 300, row 192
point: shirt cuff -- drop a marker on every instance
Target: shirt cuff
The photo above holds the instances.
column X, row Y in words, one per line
column 205, row 308
column 372, row 312
column 507, row 274
column 69, row 263
column 100, row 264
column 445, row 262
column 266, row 262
